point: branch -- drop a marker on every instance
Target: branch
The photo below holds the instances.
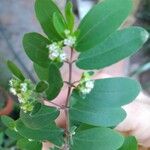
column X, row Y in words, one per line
column 68, row 97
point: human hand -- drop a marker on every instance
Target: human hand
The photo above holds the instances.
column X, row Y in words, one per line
column 137, row 122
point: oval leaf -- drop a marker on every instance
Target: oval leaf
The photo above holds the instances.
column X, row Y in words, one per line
column 44, row 10
column 41, row 72
column 42, row 118
column 118, row 46
column 13, row 134
column 15, row 70
column 59, row 24
column 101, row 21
column 97, row 138
column 108, row 117
column 102, row 106
column 112, row 92
column 53, row 76
column 8, row 122
column 69, row 16
column 50, row 133
column 55, row 82
column 41, row 86
column 35, row 47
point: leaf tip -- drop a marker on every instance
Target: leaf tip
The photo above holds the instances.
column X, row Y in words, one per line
column 144, row 35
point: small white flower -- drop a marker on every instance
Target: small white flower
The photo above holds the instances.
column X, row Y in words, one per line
column 63, row 56
column 86, row 86
column 85, row 90
column 23, row 87
column 23, row 93
column 54, row 55
column 53, row 47
column 55, row 52
column 70, row 41
column 13, row 91
column 11, row 82
column 20, row 99
column 89, row 84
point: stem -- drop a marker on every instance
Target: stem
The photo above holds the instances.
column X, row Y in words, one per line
column 68, row 62
column 59, row 106
column 72, row 85
column 76, row 82
column 41, row 100
column 68, row 97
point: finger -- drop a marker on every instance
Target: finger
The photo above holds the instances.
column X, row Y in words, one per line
column 137, row 122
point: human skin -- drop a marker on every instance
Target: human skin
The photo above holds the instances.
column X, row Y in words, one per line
column 136, row 123
column 8, row 108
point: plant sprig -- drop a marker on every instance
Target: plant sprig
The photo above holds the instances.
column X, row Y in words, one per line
column 93, row 107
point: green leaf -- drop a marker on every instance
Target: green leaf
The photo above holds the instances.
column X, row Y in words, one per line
column 59, row 24
column 13, row 134
column 8, row 122
column 41, row 72
column 41, row 86
column 37, row 107
column 97, row 138
column 55, row 82
column 53, row 76
column 84, row 127
column 118, row 46
column 69, row 16
column 35, row 47
column 44, row 10
column 107, row 117
column 40, row 119
column 15, row 70
column 113, row 92
column 102, row 106
column 101, row 21
column 130, row 143
column 51, row 133
column 1, row 138
column 25, row 144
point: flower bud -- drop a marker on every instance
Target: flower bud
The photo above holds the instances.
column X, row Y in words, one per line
column 70, row 41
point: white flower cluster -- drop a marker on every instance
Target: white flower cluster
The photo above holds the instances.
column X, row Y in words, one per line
column 23, row 90
column 86, row 84
column 14, row 84
column 23, row 87
column 87, row 87
column 70, row 40
column 56, row 53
